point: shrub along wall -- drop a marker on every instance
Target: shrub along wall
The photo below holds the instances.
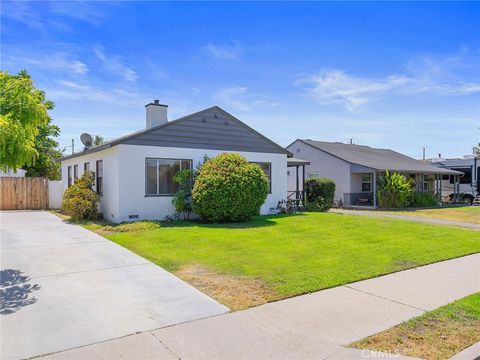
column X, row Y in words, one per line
column 228, row 188
column 319, row 193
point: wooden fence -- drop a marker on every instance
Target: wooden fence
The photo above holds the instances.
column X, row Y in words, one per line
column 23, row 193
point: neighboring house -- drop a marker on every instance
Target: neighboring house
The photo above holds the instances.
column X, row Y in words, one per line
column 134, row 173
column 469, row 183
column 354, row 168
column 11, row 173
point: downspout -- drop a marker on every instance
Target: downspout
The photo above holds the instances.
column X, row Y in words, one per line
column 374, row 189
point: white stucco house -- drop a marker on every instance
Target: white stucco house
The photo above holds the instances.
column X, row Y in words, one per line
column 134, row 173
column 355, row 169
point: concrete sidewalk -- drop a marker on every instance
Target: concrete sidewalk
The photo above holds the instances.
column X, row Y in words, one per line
column 314, row 326
column 371, row 213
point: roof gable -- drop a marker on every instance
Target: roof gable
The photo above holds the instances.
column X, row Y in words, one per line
column 212, row 128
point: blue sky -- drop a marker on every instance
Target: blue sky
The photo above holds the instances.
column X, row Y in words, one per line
column 394, row 75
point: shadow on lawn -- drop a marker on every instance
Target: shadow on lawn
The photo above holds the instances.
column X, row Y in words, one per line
column 103, row 225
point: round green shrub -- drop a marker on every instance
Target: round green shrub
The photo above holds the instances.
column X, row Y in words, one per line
column 319, row 193
column 228, row 188
column 79, row 200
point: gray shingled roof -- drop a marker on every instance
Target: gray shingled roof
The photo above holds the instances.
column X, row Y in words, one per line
column 212, row 128
column 377, row 159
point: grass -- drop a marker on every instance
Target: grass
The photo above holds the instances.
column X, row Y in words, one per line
column 438, row 334
column 464, row 214
column 287, row 255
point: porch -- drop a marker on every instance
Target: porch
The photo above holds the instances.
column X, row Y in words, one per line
column 297, row 196
column 364, row 183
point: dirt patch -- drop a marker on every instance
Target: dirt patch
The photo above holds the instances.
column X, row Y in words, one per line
column 235, row 292
column 436, row 337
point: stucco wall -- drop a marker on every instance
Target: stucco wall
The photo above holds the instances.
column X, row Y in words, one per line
column 109, row 203
column 323, row 164
column 132, row 179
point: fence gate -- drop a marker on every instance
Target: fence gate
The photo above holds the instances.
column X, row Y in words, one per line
column 23, row 193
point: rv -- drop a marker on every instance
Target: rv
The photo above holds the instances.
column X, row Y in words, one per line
column 468, row 186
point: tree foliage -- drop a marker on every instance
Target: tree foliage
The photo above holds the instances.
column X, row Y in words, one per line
column 80, row 201
column 394, row 190
column 23, row 111
column 98, row 140
column 46, row 164
column 182, row 199
column 228, row 188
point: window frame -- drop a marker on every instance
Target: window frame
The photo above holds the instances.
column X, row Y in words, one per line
column 69, row 176
column 365, row 182
column 99, row 184
column 75, row 172
column 269, row 173
column 86, row 166
column 190, row 161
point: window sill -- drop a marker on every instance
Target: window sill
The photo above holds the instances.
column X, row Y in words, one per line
column 160, row 195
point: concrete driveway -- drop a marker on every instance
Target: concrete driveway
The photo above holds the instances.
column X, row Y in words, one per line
column 63, row 287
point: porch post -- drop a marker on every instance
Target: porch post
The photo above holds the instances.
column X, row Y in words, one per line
column 296, row 195
column 303, row 185
column 374, row 189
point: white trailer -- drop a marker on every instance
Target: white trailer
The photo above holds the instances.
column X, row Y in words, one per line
column 468, row 186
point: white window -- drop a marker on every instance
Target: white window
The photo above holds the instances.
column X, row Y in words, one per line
column 366, row 182
column 99, row 177
column 69, row 176
column 86, row 167
column 313, row 175
column 75, row 173
column 159, row 175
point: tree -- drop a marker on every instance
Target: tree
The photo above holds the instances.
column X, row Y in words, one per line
column 394, row 190
column 477, row 150
column 80, row 201
column 23, row 111
column 97, row 140
column 46, row 163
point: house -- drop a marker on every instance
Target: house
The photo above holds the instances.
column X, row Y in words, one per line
column 469, row 183
column 354, row 168
column 11, row 173
column 134, row 174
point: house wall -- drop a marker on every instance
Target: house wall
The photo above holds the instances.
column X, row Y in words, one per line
column 131, row 174
column 109, row 202
column 323, row 164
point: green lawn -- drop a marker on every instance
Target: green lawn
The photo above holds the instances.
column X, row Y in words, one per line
column 295, row 254
column 437, row 334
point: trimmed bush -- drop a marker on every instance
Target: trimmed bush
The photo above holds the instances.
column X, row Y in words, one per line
column 79, row 200
column 423, row 199
column 319, row 193
column 228, row 188
column 394, row 191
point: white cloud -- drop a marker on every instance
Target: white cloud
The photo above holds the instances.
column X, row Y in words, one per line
column 50, row 60
column 222, row 52
column 425, row 75
column 114, row 64
column 241, row 98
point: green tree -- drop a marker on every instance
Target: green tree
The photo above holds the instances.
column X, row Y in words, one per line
column 46, row 163
column 98, row 140
column 477, row 150
column 23, row 111
column 394, row 190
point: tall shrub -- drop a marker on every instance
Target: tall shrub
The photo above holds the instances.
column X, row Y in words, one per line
column 394, row 190
column 319, row 193
column 79, row 200
column 182, row 199
column 228, row 188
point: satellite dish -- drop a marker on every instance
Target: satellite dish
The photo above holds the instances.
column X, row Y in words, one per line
column 86, row 140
